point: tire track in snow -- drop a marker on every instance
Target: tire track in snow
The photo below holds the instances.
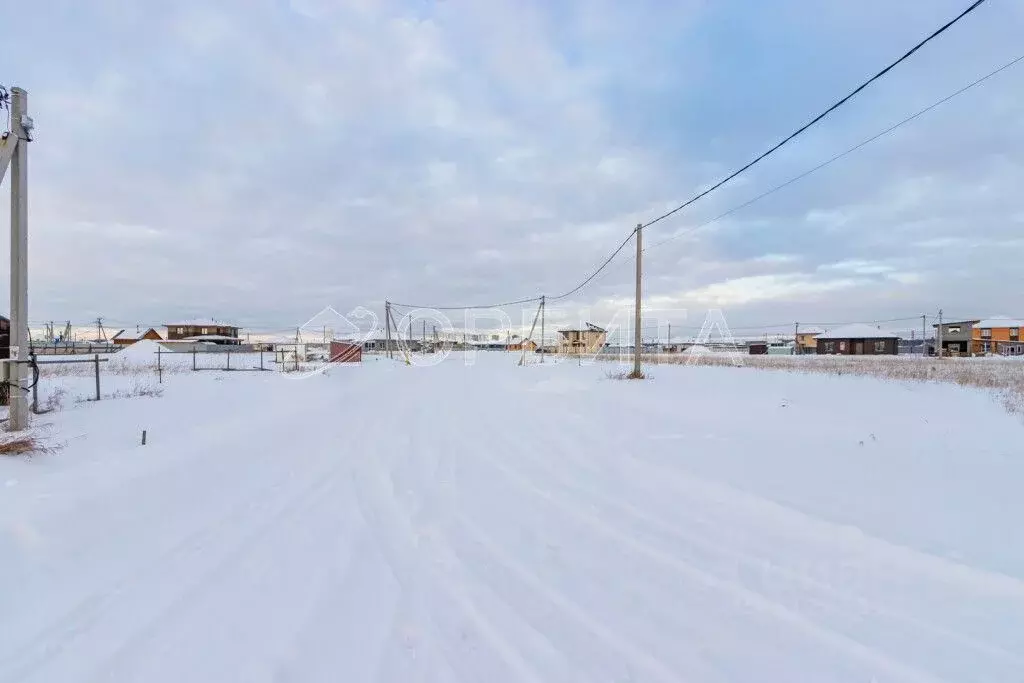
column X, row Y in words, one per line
column 842, row 602
column 49, row 644
column 395, row 538
column 739, row 593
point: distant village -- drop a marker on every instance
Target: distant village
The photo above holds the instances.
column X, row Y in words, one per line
column 978, row 337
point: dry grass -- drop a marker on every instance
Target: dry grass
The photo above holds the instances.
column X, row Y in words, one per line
column 1003, row 376
column 23, row 444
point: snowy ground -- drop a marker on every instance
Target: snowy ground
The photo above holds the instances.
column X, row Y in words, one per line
column 497, row 523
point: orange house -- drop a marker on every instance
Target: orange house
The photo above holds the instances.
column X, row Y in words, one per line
column 997, row 335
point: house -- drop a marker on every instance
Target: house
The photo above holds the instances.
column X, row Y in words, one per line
column 586, row 341
column 204, row 331
column 529, row 344
column 807, row 340
column 999, row 335
column 124, row 338
column 858, row 340
column 957, row 337
column 757, row 348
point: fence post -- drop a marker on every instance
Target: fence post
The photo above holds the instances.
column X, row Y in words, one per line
column 229, row 359
column 261, row 358
column 193, row 359
column 35, row 384
column 159, row 367
column 96, row 362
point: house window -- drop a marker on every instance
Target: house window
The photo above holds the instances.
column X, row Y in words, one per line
column 986, row 334
column 879, row 347
column 1014, row 333
column 842, row 346
column 204, row 331
column 181, row 330
column 953, row 329
column 829, row 347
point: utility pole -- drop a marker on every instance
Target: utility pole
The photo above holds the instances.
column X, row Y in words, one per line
column 543, row 305
column 21, row 128
column 924, row 335
column 938, row 337
column 796, row 338
column 637, row 342
column 387, row 329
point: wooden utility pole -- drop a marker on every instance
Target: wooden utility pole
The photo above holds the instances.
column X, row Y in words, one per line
column 21, row 128
column 796, row 338
column 637, row 341
column 938, row 337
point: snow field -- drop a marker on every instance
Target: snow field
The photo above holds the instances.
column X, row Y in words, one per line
column 453, row 523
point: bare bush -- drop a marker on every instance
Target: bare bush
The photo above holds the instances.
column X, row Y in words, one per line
column 55, row 400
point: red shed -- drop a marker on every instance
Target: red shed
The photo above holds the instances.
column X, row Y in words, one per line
column 346, row 352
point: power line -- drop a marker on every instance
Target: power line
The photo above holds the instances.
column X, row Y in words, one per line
column 775, row 148
column 467, row 308
column 732, row 175
column 839, row 156
column 820, row 116
column 596, row 272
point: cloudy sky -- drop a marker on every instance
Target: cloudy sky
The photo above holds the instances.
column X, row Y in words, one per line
column 257, row 160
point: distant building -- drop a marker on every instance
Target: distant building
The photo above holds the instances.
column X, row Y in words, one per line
column 124, row 338
column 858, row 340
column 997, row 335
column 586, row 341
column 345, row 352
column 203, row 331
column 957, row 337
column 529, row 344
column 807, row 340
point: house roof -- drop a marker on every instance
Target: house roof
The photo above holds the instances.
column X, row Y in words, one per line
column 201, row 323
column 857, row 331
column 999, row 321
column 123, row 334
column 958, row 322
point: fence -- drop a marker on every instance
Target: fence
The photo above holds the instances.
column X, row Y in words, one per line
column 95, row 360
column 72, row 348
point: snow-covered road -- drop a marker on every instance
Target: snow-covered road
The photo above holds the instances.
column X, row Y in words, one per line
column 495, row 523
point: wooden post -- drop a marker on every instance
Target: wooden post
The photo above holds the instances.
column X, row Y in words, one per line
column 261, row 358
column 96, row 364
column 796, row 339
column 229, row 359
column 143, row 437
column 193, row 359
column 159, row 367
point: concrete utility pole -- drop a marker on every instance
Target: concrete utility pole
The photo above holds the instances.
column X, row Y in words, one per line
column 543, row 305
column 938, row 337
column 19, row 137
column 637, row 341
column 387, row 329
column 924, row 335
